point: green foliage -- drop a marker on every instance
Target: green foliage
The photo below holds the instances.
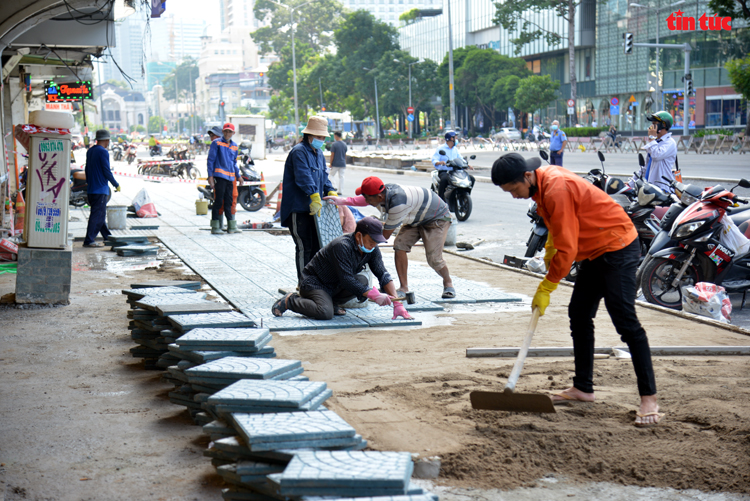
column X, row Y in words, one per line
column 241, row 111
column 504, row 92
column 140, row 128
column 182, row 78
column 156, row 124
column 519, row 17
column 583, row 131
column 536, row 92
column 280, row 110
column 739, row 74
column 736, row 9
column 409, row 16
column 713, row 132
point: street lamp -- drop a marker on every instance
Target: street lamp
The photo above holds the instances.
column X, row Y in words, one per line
column 377, row 109
column 294, row 60
column 411, row 125
column 658, row 23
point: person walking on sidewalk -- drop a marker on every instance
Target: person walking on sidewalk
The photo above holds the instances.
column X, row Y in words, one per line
column 557, row 142
column 420, row 213
column 305, row 182
column 338, row 161
column 333, row 276
column 587, row 226
column 222, row 172
column 98, row 174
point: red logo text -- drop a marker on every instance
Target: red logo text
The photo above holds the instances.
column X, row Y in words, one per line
column 676, row 21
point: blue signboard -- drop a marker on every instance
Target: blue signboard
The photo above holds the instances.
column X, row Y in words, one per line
column 614, row 110
column 614, row 101
column 410, row 118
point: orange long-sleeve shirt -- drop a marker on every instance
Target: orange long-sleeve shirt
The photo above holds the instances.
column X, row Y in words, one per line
column 584, row 221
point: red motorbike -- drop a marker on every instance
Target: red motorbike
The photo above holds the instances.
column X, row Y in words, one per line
column 700, row 255
column 130, row 151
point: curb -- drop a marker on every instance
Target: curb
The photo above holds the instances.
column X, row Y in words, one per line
column 677, row 313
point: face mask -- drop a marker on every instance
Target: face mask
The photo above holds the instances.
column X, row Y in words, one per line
column 532, row 190
column 553, row 127
column 365, row 249
column 317, row 143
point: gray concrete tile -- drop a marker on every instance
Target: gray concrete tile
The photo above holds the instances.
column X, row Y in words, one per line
column 290, row 427
column 225, row 337
column 234, row 368
column 289, row 394
column 185, row 323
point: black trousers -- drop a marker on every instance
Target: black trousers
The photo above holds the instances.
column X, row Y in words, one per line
column 97, row 219
column 305, row 235
column 223, row 189
column 555, row 158
column 611, row 277
column 444, row 176
column 318, row 304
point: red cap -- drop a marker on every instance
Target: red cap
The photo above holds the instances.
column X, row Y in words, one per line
column 370, row 186
column 228, row 126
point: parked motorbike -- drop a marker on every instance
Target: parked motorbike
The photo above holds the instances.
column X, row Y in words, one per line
column 179, row 152
column 699, row 255
column 116, row 152
column 130, row 152
column 271, row 144
column 78, row 187
column 460, row 184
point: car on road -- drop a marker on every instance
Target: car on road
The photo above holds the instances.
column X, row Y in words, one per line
column 509, row 133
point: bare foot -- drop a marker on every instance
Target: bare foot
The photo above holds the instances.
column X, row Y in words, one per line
column 573, row 394
column 648, row 413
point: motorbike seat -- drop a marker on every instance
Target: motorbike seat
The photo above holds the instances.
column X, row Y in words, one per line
column 79, row 175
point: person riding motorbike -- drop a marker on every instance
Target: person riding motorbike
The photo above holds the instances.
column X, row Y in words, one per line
column 153, row 142
column 440, row 161
column 662, row 153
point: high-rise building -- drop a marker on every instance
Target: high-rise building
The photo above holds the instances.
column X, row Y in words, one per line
column 238, row 13
column 173, row 38
column 128, row 53
column 157, row 71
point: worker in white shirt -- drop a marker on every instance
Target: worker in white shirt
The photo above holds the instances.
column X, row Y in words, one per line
column 662, row 153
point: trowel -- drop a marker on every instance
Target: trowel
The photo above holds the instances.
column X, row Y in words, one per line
column 508, row 400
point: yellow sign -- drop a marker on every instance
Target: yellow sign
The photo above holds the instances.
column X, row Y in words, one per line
column 632, row 98
column 450, row 86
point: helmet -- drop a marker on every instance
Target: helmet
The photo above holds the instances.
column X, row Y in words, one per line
column 450, row 136
column 661, row 119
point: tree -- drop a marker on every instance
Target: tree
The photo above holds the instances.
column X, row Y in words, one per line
column 736, row 9
column 156, row 124
column 182, row 78
column 315, row 24
column 280, row 110
column 409, row 16
column 535, row 92
column 241, row 111
column 518, row 16
column 504, row 92
column 739, row 75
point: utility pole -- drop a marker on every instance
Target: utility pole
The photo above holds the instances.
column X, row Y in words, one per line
column 177, row 95
column 320, row 86
column 377, row 110
column 450, row 68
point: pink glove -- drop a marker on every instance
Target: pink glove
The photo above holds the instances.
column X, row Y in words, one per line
column 375, row 295
column 400, row 311
column 358, row 201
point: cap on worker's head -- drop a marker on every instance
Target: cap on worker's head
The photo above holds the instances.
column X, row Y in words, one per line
column 371, row 226
column 510, row 167
column 370, row 186
column 102, row 135
column 228, row 126
column 316, row 126
column 215, row 130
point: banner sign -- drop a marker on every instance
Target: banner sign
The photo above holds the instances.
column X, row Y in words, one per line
column 66, row 92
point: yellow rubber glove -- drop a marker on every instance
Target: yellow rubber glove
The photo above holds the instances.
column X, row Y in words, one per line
column 332, row 193
column 549, row 251
column 541, row 298
column 315, row 204
column 117, row 189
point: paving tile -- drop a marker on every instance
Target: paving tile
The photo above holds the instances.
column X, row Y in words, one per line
column 235, row 368
column 151, row 291
column 268, row 393
column 307, row 444
column 225, row 337
column 311, row 405
column 185, row 323
column 239, row 493
column 290, row 426
column 197, row 307
column 381, row 316
column 328, row 224
column 152, row 301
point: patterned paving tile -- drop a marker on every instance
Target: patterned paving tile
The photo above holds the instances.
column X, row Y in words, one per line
column 185, row 284
column 152, row 291
column 381, row 316
column 235, row 368
column 151, row 302
column 185, row 323
column 268, row 393
column 202, row 357
column 290, row 426
column 328, row 224
column 198, row 307
column 311, row 405
column 224, row 339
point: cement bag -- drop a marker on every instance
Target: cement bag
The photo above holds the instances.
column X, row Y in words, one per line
column 732, row 238
column 707, row 300
column 144, row 207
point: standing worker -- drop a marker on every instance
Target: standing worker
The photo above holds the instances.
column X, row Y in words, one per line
column 662, row 153
column 305, row 182
column 440, row 161
column 420, row 214
column 338, row 161
column 222, row 172
column 98, row 174
column 557, row 142
column 586, row 225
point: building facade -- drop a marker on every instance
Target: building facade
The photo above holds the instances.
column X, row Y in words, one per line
column 389, row 11
column 121, row 110
column 127, row 56
column 173, row 38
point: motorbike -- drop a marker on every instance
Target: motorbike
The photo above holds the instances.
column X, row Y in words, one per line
column 130, row 152
column 154, row 150
column 271, row 144
column 116, row 152
column 250, row 197
column 78, row 195
column 178, row 153
column 699, row 254
column 460, row 184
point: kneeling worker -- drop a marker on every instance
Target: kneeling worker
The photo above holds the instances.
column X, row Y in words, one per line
column 586, row 225
column 330, row 278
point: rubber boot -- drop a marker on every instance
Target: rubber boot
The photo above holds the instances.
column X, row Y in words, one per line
column 232, row 226
column 221, row 222
column 215, row 230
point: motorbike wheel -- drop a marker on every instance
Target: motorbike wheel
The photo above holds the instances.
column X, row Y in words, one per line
column 252, row 199
column 639, row 275
column 130, row 159
column 79, row 202
column 657, row 278
column 192, row 172
column 536, row 243
column 463, row 206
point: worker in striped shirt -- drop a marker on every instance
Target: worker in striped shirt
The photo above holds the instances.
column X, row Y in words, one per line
column 421, row 215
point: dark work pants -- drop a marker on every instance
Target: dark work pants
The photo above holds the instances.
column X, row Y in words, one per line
column 318, row 304
column 444, row 176
column 302, row 227
column 222, row 197
column 555, row 158
column 97, row 219
column 612, row 277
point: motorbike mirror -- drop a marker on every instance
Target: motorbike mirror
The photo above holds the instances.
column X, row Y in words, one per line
column 641, row 160
column 544, row 155
column 442, row 152
column 473, row 157
column 744, row 183
column 600, row 155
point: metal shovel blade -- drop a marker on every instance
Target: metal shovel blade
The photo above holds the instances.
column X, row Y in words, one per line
column 511, row 402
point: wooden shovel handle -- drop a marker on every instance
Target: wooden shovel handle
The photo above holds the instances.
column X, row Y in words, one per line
column 518, row 366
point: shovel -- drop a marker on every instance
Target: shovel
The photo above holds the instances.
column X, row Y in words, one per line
column 508, row 400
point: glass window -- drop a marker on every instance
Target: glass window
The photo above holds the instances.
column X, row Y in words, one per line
column 110, row 115
column 588, row 66
column 729, row 112
column 713, row 113
column 117, row 115
column 536, row 66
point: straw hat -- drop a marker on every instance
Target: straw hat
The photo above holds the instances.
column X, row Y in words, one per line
column 317, row 126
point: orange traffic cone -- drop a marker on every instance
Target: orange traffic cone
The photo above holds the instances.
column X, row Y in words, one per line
column 263, row 184
column 278, row 200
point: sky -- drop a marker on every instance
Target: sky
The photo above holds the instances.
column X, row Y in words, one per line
column 204, row 9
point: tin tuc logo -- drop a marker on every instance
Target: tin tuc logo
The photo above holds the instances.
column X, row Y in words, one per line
column 676, row 21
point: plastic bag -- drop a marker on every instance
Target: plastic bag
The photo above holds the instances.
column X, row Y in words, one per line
column 707, row 300
column 732, row 238
column 144, row 207
column 536, row 264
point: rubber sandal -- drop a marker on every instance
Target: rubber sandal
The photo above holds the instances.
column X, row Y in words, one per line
column 449, row 293
column 659, row 415
column 339, row 311
column 280, row 306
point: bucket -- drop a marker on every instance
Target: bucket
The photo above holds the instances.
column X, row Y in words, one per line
column 201, row 207
column 450, row 238
column 117, row 217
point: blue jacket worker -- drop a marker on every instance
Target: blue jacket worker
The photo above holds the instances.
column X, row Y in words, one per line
column 305, row 182
column 98, row 174
column 440, row 161
column 557, row 142
column 222, row 171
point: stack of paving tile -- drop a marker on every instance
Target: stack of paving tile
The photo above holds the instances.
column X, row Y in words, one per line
column 117, row 241
column 204, row 345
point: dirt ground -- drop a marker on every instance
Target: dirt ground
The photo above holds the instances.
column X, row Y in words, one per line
column 81, row 419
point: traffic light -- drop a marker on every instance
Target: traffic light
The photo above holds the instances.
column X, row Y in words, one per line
column 628, row 42
column 689, row 80
column 221, row 104
column 323, row 108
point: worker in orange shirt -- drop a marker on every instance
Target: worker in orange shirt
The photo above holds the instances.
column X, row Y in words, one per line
column 587, row 226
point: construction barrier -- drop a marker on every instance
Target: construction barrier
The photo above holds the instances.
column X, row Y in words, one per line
column 177, row 179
